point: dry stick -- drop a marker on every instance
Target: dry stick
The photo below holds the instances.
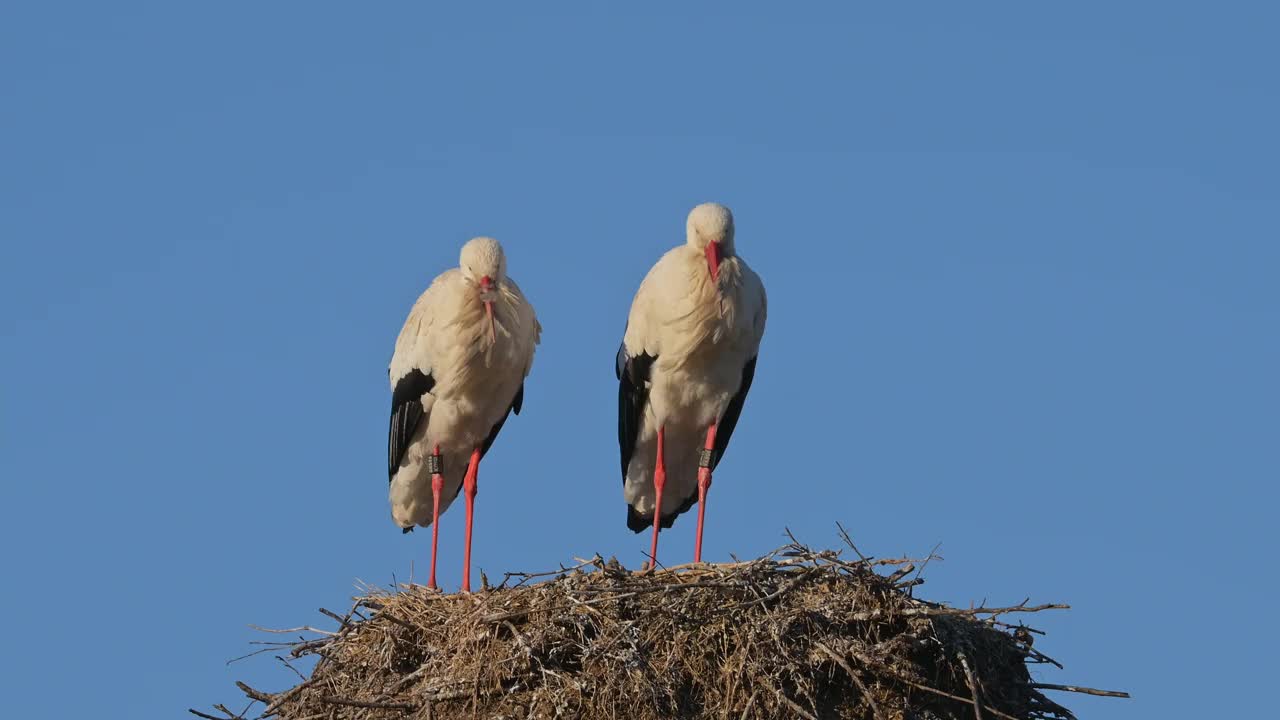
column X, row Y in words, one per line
column 342, row 622
column 745, row 709
column 936, row 691
column 875, row 709
column 797, row 707
column 397, row 620
column 524, row 644
column 287, row 631
column 197, row 713
column 255, row 694
column 1021, row 607
column 274, row 646
column 1079, row 689
column 525, row 577
column 844, row 535
column 300, row 649
column 920, row 686
column 968, row 612
column 863, row 566
column 743, row 653
column 657, row 588
column 1028, row 628
column 1037, row 655
column 290, row 694
column 401, row 683
column 777, row 639
column 973, row 687
column 895, row 561
column 408, row 707
column 901, row 572
column 702, row 567
column 932, row 555
column 291, row 667
column 776, row 593
column 707, row 566
column 595, row 601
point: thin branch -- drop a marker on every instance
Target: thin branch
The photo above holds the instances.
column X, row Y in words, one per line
column 973, row 687
column 255, row 694
column 290, row 694
column 342, row 621
column 775, row 594
column 1079, row 689
column 896, row 675
column 290, row 631
column 396, row 620
column 844, row 535
column 206, row 716
column 525, row 577
column 875, row 709
column 795, row 706
column 408, row 707
column 291, row 667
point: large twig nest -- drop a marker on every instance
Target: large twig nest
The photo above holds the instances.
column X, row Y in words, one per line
column 797, row 633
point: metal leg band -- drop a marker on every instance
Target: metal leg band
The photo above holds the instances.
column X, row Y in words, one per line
column 704, row 458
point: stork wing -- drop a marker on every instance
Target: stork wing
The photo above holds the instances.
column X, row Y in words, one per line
column 636, row 355
column 516, row 403
column 633, row 396
column 755, row 298
column 410, row 374
column 730, row 419
column 406, row 413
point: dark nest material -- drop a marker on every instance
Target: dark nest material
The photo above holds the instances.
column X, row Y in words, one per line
column 797, row 633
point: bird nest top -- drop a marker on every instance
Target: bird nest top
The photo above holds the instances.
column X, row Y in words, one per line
column 797, row 633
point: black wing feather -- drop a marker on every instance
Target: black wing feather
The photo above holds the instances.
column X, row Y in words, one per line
column 406, row 413
column 516, row 403
column 730, row 419
column 633, row 396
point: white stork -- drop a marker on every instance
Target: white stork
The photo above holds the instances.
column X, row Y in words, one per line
column 686, row 363
column 457, row 372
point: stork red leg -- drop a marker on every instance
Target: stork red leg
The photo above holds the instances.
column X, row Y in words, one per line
column 704, row 484
column 469, row 487
column 437, row 487
column 659, row 482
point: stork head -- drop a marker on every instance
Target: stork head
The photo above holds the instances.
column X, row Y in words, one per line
column 710, row 231
column 485, row 266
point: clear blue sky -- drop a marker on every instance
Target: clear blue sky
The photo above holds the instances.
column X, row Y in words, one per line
column 1022, row 265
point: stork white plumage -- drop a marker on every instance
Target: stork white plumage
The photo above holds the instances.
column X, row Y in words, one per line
column 686, row 363
column 457, row 373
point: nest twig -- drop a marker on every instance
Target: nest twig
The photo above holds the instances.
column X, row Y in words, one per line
column 796, row 633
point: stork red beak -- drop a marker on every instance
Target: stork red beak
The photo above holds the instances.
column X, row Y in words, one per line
column 713, row 260
column 486, row 286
